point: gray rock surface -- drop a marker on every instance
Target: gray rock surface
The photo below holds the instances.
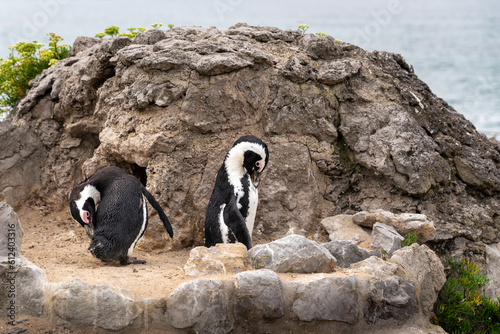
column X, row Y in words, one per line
column 416, row 224
column 346, row 129
column 346, row 252
column 342, row 227
column 385, row 237
column 203, row 305
column 258, row 296
column 292, row 254
column 492, row 269
column 330, row 298
column 221, row 259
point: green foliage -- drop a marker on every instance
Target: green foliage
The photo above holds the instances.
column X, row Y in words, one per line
column 113, row 31
column 409, row 240
column 383, row 254
column 461, row 307
column 303, row 28
column 25, row 62
column 320, row 34
column 170, row 26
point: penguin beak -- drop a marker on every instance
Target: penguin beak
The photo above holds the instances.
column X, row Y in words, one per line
column 256, row 179
column 89, row 229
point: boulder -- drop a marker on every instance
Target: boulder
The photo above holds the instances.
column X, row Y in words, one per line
column 292, row 254
column 342, row 227
column 385, row 238
column 258, row 296
column 329, row 298
column 416, row 224
column 422, row 267
column 202, row 305
column 346, row 252
column 79, row 304
column 492, row 269
column 221, row 259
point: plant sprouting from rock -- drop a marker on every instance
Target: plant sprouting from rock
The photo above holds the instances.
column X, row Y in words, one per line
column 303, row 28
column 113, row 31
column 409, row 240
column 320, row 34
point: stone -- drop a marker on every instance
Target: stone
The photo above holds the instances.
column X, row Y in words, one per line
column 338, row 71
column 341, row 227
column 292, row 254
column 221, row 259
column 385, row 237
column 347, row 252
column 202, row 305
column 11, row 234
column 330, row 298
column 404, row 223
column 79, row 304
column 258, row 297
column 391, row 298
column 424, row 268
column 492, row 269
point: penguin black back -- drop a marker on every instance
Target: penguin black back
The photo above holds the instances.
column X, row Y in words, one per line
column 233, row 204
column 111, row 206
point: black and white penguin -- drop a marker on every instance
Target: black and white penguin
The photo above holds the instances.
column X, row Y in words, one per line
column 111, row 206
column 233, row 204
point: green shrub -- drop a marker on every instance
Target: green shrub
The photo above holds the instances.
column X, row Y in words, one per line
column 461, row 307
column 25, row 62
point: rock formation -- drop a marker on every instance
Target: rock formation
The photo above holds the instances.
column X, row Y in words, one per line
column 348, row 130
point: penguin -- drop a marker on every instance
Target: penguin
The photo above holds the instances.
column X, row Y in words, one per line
column 233, row 204
column 111, row 207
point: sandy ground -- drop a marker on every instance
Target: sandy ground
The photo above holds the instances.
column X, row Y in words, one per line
column 56, row 243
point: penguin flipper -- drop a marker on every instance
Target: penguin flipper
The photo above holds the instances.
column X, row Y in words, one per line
column 238, row 231
column 158, row 209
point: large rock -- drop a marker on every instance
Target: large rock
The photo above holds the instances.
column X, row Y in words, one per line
column 346, row 129
column 79, row 304
column 258, row 297
column 492, row 269
column 342, row 227
column 338, row 296
column 292, row 254
column 203, row 305
column 422, row 267
column 416, row 224
column 346, row 252
column 221, row 259
column 385, row 238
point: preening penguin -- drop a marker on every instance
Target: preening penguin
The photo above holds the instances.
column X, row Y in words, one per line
column 233, row 204
column 111, row 206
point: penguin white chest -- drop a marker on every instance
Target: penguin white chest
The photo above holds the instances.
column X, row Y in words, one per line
column 253, row 201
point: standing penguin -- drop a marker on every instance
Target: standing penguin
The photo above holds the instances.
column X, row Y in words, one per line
column 119, row 222
column 233, row 204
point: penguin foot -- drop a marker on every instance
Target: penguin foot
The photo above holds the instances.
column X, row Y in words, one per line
column 131, row 260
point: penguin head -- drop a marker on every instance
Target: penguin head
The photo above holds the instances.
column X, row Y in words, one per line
column 82, row 204
column 249, row 155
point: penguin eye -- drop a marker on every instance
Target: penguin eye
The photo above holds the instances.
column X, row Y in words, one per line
column 258, row 164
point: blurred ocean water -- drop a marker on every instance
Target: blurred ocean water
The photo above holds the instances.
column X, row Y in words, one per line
column 454, row 46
